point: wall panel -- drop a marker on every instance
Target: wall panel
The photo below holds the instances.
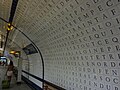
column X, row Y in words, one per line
column 79, row 40
column 83, row 52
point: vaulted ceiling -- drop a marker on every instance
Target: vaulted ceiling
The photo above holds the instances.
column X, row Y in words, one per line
column 30, row 17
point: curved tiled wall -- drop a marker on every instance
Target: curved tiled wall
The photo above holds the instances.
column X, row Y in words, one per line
column 84, row 51
column 79, row 40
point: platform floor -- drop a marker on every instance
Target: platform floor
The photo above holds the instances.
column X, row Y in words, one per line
column 23, row 86
column 13, row 85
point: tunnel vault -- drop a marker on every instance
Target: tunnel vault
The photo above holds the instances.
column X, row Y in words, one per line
column 79, row 40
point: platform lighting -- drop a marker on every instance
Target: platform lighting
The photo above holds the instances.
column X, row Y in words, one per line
column 9, row 27
column 12, row 52
column 17, row 52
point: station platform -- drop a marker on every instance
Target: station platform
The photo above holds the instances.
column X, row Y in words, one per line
column 13, row 84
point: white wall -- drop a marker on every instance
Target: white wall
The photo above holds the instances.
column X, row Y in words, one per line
column 80, row 43
column 83, row 49
column 35, row 68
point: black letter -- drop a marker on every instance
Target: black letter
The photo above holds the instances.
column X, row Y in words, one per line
column 114, row 39
column 108, row 3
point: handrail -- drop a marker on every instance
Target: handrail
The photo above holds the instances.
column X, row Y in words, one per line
column 51, row 84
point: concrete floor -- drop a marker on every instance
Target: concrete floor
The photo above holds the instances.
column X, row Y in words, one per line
column 23, row 86
column 13, row 85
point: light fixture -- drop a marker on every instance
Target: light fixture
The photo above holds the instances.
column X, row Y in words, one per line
column 17, row 52
column 9, row 27
column 12, row 52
